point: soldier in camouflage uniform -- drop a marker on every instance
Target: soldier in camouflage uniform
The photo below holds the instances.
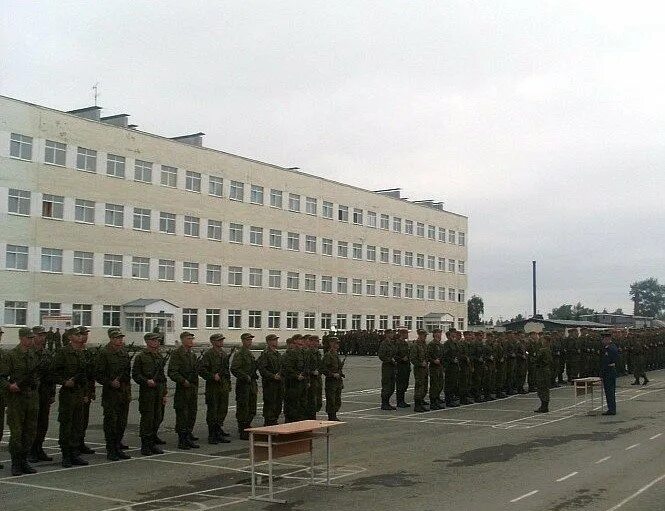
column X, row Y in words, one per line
column 500, row 363
column 520, row 365
column 183, row 371
column 214, row 369
column 477, row 375
column 638, row 359
column 511, row 362
column 531, row 346
column 19, row 380
column 451, row 366
column 332, row 368
column 418, row 357
column 544, row 366
column 270, row 369
column 148, row 373
column 489, row 378
column 436, row 380
column 244, row 368
column 403, row 367
column 573, row 355
column 293, row 372
column 315, row 382
column 46, row 395
column 387, row 355
column 466, row 368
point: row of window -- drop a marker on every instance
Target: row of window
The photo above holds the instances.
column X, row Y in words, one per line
column 142, row 219
column 83, row 263
column 16, row 313
column 55, row 153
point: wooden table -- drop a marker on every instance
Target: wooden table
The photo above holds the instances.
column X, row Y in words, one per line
column 584, row 386
column 270, row 442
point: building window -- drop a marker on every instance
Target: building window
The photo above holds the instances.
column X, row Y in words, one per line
column 408, row 226
column 256, row 194
column 342, row 285
column 192, row 224
column 420, row 260
column 16, row 257
column 115, row 215
column 214, row 274
column 441, row 264
column 82, row 314
column 235, row 318
column 397, row 257
column 167, row 223
column 370, row 288
column 343, row 213
column 371, row 219
column 275, row 279
column 442, row 293
column 190, row 318
column 451, row 265
column 20, row 146
column 451, row 236
column 143, row 171
column 310, row 244
column 408, row 290
column 190, row 272
column 461, row 239
column 431, row 261
column 460, row 323
column 442, row 235
column 254, row 319
column 53, row 206
column 356, row 320
column 397, row 224
column 166, row 270
column 452, row 295
column 383, row 288
column 383, row 322
column 112, row 265
column 235, row 275
column 420, row 229
column 431, row 292
column 19, row 202
column 16, row 313
column 311, row 206
column 292, row 320
column 169, row 176
column 294, row 202
column 84, row 211
column 213, row 318
column 215, row 230
column 396, row 322
column 255, row 277
column 293, row 241
column 342, row 249
column 193, row 181
column 431, row 232
column 397, row 290
column 340, row 321
column 357, row 216
column 370, row 322
column 408, row 322
column 111, row 315
column 83, row 263
column 460, row 296
column 326, row 246
column 48, row 309
column 327, row 210
column 274, row 319
column 371, row 253
column 52, row 260
column 461, row 267
column 420, row 322
column 256, row 236
column 310, row 282
column 326, row 284
column 235, row 233
column 384, row 222
column 86, row 159
column 408, row 259
column 55, row 153
column 276, row 198
column 310, row 320
column 215, row 186
column 357, row 251
column 142, row 219
column 326, row 320
column 275, row 238
column 420, row 292
column 384, row 255
column 237, row 191
column 293, row 280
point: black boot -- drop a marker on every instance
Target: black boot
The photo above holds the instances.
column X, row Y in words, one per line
column 401, row 403
column 212, row 437
column 145, row 447
column 419, row 407
column 154, row 449
column 76, row 459
column 646, row 380
column 636, row 382
column 189, row 438
column 121, row 453
column 41, row 455
column 16, row 466
column 157, row 441
column 385, row 405
column 112, row 451
column 244, row 435
column 33, row 457
column 435, row 405
column 544, row 407
column 66, row 459
column 331, row 416
column 182, row 441
column 224, row 433
column 84, row 449
column 26, row 467
column 222, row 439
column 121, row 446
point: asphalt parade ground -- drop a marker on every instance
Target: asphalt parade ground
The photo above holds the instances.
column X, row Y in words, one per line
column 488, row 456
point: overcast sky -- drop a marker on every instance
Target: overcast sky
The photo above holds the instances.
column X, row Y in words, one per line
column 541, row 121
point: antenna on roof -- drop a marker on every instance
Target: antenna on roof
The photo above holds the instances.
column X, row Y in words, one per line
column 96, row 93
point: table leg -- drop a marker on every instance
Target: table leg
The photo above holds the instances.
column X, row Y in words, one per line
column 328, row 456
column 311, row 462
column 251, row 462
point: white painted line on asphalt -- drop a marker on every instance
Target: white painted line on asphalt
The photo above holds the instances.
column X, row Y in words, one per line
column 572, row 474
column 525, row 495
column 631, row 447
column 638, row 492
column 602, row 460
column 64, row 490
column 361, row 410
column 655, row 436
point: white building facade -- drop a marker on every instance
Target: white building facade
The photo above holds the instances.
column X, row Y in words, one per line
column 118, row 227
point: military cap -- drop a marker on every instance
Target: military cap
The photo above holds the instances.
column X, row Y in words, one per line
column 333, row 339
column 114, row 333
column 25, row 332
column 272, row 337
column 402, row 329
column 150, row 335
column 83, row 330
column 314, row 337
column 184, row 335
column 421, row 331
column 297, row 337
column 246, row 336
column 606, row 333
column 436, row 331
column 72, row 331
column 217, row 337
column 452, row 329
column 38, row 329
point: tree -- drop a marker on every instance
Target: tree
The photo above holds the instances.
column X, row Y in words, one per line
column 567, row 311
column 648, row 297
column 519, row 317
column 476, row 308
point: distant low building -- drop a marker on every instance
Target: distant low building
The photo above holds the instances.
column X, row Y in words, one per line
column 546, row 325
column 621, row 320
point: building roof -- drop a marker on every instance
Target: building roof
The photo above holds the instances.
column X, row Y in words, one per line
column 562, row 322
column 142, row 302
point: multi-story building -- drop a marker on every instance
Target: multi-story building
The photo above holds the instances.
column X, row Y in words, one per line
column 117, row 227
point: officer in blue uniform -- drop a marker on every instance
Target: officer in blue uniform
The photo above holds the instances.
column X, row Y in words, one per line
column 609, row 372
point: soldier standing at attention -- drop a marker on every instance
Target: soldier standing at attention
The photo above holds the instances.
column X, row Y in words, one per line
column 403, row 371
column 452, row 369
column 435, row 359
column 609, row 372
column 418, row 356
column 182, row 370
column 293, row 372
column 270, row 369
column 2, row 397
column 387, row 355
column 148, row 373
column 90, row 391
column 214, row 369
column 331, row 367
column 57, row 339
column 465, row 368
column 19, row 379
column 521, row 364
column 71, row 372
column 50, row 338
column 243, row 368
column 113, row 372
column 315, row 389
column 46, row 395
column 544, row 366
